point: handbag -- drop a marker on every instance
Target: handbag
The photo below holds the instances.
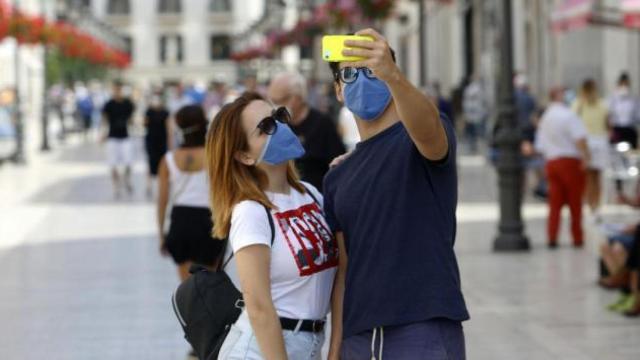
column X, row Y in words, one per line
column 207, row 304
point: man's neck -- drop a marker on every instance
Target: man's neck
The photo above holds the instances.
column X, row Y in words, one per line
column 301, row 114
column 369, row 129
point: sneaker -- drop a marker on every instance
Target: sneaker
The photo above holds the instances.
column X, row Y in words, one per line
column 627, row 305
column 622, row 300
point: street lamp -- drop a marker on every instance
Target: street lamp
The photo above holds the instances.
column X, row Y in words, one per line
column 510, row 171
column 18, row 156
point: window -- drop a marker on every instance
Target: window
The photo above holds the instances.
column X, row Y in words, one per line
column 220, row 47
column 306, row 50
column 86, row 4
column 118, row 7
column 128, row 45
column 170, row 49
column 169, row 7
column 219, row 5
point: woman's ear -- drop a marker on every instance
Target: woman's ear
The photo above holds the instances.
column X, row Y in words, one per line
column 244, row 158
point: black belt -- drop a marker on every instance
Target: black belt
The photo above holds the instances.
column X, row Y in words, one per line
column 314, row 326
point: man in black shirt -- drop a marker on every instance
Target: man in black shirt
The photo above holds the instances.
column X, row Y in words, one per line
column 117, row 116
column 316, row 131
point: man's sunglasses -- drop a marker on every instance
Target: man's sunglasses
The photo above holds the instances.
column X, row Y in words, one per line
column 350, row 74
column 268, row 124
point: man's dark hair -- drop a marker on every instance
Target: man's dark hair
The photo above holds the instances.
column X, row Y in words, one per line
column 624, row 79
column 335, row 66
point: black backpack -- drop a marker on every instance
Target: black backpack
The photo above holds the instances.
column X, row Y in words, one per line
column 207, row 304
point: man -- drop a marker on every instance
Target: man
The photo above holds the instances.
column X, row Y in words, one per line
column 476, row 113
column 117, row 116
column 526, row 107
column 316, row 131
column 562, row 140
column 625, row 113
column 392, row 206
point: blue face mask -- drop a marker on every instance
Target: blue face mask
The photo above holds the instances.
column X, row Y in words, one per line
column 282, row 146
column 367, row 98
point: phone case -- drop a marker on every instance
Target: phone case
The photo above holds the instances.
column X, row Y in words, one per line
column 332, row 46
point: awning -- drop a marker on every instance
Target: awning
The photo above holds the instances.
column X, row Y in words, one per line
column 572, row 14
column 631, row 13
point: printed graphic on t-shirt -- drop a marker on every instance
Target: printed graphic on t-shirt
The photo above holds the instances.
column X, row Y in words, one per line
column 310, row 241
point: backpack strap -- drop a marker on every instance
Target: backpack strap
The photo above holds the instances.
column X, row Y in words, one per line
column 311, row 194
column 273, row 237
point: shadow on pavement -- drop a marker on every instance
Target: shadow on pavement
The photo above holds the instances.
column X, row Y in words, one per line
column 95, row 298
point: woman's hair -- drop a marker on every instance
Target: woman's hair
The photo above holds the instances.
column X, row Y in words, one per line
column 193, row 124
column 589, row 91
column 231, row 181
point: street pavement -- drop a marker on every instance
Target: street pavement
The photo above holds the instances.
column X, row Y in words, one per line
column 81, row 276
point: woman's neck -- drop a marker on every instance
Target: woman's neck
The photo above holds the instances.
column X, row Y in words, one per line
column 277, row 176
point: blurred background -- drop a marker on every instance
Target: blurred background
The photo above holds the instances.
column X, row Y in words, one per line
column 81, row 276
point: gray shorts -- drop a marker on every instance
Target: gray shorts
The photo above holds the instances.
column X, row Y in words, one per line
column 437, row 339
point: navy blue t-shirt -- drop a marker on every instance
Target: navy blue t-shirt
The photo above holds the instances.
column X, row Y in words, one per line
column 397, row 212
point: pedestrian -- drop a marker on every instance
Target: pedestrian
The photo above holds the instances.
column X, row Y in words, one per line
column 316, row 131
column 392, row 206
column 595, row 115
column 625, row 113
column 444, row 105
column 562, row 139
column 284, row 256
column 156, row 122
column 183, row 185
column 476, row 113
column 117, row 117
column 84, row 106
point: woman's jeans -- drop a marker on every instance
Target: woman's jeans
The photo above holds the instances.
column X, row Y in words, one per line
column 241, row 343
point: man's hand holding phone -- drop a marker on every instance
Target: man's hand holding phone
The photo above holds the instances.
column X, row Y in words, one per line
column 376, row 55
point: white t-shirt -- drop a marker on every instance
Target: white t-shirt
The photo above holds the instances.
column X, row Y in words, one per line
column 558, row 132
column 304, row 255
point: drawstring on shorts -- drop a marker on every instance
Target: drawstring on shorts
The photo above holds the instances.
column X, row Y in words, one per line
column 373, row 344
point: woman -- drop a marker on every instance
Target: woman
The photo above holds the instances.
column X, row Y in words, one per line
column 594, row 114
column 156, row 121
column 183, row 180
column 286, row 284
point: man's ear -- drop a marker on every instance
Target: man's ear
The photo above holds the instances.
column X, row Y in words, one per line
column 337, row 86
column 244, row 158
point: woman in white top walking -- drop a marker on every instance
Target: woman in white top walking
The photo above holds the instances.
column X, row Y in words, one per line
column 286, row 280
column 183, row 185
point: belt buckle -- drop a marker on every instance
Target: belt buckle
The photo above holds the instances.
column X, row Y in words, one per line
column 316, row 326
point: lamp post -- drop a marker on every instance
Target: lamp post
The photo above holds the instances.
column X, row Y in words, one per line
column 422, row 26
column 510, row 171
column 18, row 156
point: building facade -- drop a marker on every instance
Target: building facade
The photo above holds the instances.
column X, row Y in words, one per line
column 174, row 41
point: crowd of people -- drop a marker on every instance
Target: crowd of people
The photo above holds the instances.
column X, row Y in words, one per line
column 270, row 148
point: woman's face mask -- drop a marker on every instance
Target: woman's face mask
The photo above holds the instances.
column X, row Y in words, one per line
column 281, row 144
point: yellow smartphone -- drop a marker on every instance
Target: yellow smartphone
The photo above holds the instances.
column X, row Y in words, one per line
column 332, row 46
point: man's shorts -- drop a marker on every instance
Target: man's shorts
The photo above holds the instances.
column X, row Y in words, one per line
column 119, row 152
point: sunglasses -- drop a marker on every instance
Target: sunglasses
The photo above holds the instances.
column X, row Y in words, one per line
column 350, row 74
column 268, row 125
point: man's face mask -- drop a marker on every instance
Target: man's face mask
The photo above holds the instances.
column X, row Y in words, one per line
column 282, row 144
column 364, row 94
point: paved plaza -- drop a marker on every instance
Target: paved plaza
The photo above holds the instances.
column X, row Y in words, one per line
column 81, row 276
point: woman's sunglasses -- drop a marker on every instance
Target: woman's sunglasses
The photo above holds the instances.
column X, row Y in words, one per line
column 268, row 125
column 350, row 74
